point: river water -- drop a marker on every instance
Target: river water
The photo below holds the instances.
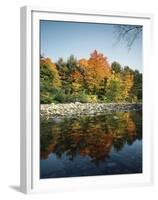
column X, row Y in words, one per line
column 91, row 145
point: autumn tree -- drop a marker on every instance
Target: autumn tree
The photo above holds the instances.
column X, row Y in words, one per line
column 48, row 63
column 49, row 79
column 95, row 70
column 119, row 86
column 85, row 73
column 75, row 76
column 77, row 81
column 114, row 89
column 127, row 79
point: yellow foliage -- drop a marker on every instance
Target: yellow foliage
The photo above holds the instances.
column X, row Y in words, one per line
column 48, row 62
column 119, row 86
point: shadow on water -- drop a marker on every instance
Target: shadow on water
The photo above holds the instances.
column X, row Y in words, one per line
column 98, row 145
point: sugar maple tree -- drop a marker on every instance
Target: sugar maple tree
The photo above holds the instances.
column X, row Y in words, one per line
column 95, row 70
column 99, row 65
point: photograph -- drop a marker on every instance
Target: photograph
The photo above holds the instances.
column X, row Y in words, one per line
column 91, row 98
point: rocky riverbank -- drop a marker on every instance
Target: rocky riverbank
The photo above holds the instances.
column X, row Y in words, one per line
column 78, row 109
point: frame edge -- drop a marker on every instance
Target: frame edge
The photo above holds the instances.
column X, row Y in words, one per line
column 25, row 99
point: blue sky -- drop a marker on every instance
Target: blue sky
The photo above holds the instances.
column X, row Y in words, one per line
column 61, row 39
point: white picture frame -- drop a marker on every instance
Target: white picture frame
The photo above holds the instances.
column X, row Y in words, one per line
column 30, row 112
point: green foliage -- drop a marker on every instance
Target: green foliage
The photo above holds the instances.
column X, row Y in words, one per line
column 86, row 98
column 46, row 98
column 46, row 79
column 65, row 69
column 91, row 98
column 114, row 89
column 60, row 97
column 137, row 86
column 116, row 67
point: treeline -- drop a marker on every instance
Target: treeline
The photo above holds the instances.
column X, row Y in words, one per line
column 88, row 80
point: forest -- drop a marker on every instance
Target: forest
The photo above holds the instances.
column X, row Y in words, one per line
column 91, row 80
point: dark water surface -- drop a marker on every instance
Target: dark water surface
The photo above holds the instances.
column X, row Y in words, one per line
column 85, row 146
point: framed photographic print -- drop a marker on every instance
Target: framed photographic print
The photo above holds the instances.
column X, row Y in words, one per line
column 85, row 99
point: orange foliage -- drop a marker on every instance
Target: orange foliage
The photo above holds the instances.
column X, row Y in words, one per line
column 131, row 127
column 76, row 75
column 96, row 69
column 99, row 65
column 48, row 62
column 83, row 63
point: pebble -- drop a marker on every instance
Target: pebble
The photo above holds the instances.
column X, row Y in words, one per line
column 77, row 108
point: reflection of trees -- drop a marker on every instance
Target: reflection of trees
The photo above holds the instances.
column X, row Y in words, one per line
column 90, row 136
column 46, row 138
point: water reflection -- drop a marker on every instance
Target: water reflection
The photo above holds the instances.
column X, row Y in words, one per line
column 95, row 138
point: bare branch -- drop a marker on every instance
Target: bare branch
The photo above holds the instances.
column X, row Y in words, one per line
column 128, row 33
